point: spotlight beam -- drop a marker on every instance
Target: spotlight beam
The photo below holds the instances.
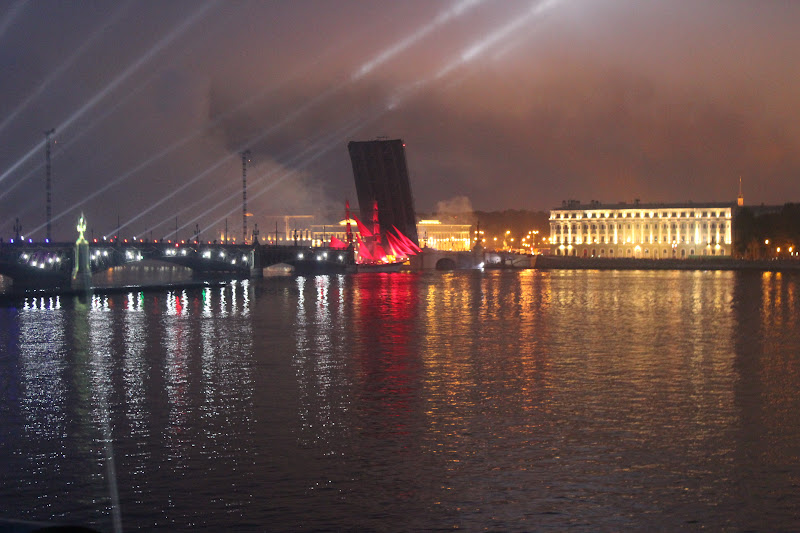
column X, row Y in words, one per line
column 130, row 70
column 296, row 158
column 442, row 18
column 11, row 16
column 200, row 176
column 73, row 139
column 476, row 49
column 318, row 149
column 114, row 18
column 163, row 153
column 250, row 144
column 500, row 34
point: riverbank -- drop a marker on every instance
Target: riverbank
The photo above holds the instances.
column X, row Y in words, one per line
column 700, row 263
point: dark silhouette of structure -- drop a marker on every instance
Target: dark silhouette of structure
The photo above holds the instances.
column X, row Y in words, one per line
column 381, row 175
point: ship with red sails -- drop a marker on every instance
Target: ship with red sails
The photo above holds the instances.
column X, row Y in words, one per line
column 376, row 250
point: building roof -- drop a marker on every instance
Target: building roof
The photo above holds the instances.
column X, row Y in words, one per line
column 574, row 205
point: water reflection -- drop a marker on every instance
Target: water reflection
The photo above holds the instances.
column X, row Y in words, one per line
column 502, row 400
column 767, row 363
column 97, row 326
column 89, row 376
column 384, row 323
column 320, row 359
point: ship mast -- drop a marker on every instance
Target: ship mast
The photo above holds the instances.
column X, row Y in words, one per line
column 347, row 218
column 376, row 227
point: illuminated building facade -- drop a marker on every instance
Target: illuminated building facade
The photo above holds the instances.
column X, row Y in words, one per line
column 446, row 237
column 434, row 234
column 381, row 175
column 321, row 233
column 649, row 231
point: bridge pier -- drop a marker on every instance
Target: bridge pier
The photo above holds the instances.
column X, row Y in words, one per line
column 430, row 259
column 256, row 266
column 82, row 271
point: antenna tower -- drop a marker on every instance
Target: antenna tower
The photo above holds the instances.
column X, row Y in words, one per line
column 47, row 135
column 245, row 159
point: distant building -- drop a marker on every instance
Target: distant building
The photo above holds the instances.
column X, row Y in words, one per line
column 654, row 231
column 442, row 236
column 434, row 234
column 381, row 174
column 321, row 233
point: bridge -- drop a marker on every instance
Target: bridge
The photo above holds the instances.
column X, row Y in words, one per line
column 46, row 265
column 431, row 259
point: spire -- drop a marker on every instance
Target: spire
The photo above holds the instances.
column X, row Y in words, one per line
column 740, row 199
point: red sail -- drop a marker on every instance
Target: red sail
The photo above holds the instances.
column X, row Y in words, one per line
column 408, row 242
column 337, row 243
column 398, row 246
column 363, row 251
column 362, row 229
column 380, row 253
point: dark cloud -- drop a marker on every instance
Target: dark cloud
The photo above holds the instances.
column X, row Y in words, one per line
column 592, row 99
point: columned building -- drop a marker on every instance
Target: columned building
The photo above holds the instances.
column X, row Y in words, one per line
column 443, row 236
column 649, row 231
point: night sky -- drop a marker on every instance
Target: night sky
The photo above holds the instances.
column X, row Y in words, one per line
column 502, row 104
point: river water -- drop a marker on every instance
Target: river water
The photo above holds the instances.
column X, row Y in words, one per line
column 503, row 400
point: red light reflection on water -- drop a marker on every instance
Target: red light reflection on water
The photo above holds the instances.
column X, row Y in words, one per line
column 385, row 317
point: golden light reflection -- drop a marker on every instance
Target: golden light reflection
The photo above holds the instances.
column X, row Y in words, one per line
column 776, row 367
column 321, row 352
